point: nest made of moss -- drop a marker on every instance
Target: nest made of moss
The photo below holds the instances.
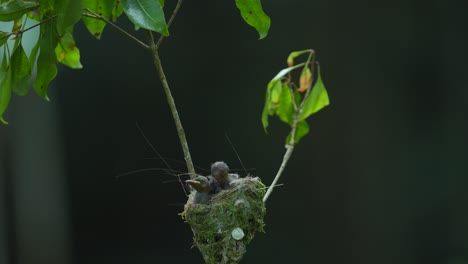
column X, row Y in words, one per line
column 228, row 222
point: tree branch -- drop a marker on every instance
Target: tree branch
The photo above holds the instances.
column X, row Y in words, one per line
column 287, row 155
column 180, row 130
column 174, row 14
column 92, row 14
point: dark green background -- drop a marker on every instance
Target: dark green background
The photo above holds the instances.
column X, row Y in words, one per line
column 381, row 178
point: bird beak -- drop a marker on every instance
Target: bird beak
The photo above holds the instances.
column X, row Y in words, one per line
column 193, row 182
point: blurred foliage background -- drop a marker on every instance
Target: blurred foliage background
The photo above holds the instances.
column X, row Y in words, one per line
column 381, row 178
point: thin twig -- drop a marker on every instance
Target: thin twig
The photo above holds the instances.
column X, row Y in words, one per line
column 92, row 14
column 29, row 28
column 172, row 105
column 174, row 14
column 287, row 155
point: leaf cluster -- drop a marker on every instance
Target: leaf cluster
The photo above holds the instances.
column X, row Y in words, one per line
column 56, row 43
column 294, row 103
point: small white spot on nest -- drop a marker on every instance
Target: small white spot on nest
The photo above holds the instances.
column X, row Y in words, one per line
column 239, row 201
column 237, row 233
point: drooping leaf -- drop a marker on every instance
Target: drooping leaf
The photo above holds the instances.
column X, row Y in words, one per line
column 147, row 14
column 294, row 55
column 317, row 99
column 67, row 52
column 116, row 10
column 15, row 9
column 252, row 13
column 46, row 69
column 266, row 110
column 35, row 14
column 4, row 38
column 302, row 129
column 4, row 65
column 272, row 94
column 5, row 87
column 20, row 68
column 285, row 110
column 68, row 13
column 276, row 91
column 34, row 51
column 271, row 101
column 305, row 80
column 267, row 107
column 103, row 8
column 46, row 5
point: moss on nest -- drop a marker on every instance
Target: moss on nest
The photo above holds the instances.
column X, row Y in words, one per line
column 225, row 225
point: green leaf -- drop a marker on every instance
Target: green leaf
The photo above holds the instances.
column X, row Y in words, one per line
column 116, row 10
column 46, row 5
column 4, row 65
column 161, row 2
column 4, row 37
column 20, row 68
column 35, row 14
column 68, row 13
column 67, row 52
column 272, row 94
column 285, row 110
column 15, row 9
column 317, row 99
column 101, row 7
column 294, row 55
column 266, row 110
column 5, row 88
column 271, row 99
column 146, row 14
column 302, row 129
column 252, row 13
column 34, row 51
column 46, row 69
column 276, row 89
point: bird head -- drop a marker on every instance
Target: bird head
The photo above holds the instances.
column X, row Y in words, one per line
column 200, row 184
column 220, row 171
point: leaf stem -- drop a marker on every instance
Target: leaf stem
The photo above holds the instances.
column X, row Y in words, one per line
column 170, row 99
column 287, row 155
column 31, row 27
column 92, row 14
column 174, row 14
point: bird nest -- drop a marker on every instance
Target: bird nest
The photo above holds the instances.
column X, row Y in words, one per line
column 228, row 222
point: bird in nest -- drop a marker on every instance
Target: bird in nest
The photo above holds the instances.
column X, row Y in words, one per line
column 203, row 188
column 206, row 186
column 220, row 172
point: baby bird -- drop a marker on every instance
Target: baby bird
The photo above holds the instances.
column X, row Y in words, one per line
column 220, row 172
column 204, row 188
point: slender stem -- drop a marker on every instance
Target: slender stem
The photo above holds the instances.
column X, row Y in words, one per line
column 153, row 48
column 174, row 14
column 172, row 105
column 287, row 155
column 31, row 27
column 92, row 14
